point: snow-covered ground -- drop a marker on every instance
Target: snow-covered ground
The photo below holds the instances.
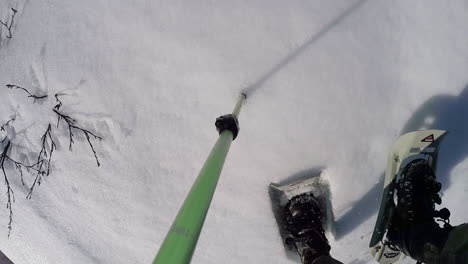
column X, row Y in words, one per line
column 332, row 84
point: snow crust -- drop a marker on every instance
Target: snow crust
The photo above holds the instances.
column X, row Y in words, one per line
column 331, row 84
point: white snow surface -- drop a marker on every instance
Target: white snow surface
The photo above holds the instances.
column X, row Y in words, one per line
column 333, row 85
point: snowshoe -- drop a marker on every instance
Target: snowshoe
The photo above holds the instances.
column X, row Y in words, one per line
column 407, row 212
column 304, row 215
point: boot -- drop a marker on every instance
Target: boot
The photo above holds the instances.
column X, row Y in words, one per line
column 414, row 229
column 304, row 222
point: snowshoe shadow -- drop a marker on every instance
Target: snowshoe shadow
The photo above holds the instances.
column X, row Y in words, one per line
column 361, row 210
column 446, row 112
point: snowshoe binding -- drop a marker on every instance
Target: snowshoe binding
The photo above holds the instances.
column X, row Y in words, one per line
column 406, row 224
column 304, row 215
column 304, row 219
column 414, row 228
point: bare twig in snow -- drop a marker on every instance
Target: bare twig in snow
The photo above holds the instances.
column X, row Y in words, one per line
column 59, row 103
column 43, row 159
column 71, row 126
column 9, row 25
column 41, row 167
column 30, row 95
column 2, row 128
column 9, row 193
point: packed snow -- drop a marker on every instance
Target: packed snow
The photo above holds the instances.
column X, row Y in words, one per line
column 332, row 84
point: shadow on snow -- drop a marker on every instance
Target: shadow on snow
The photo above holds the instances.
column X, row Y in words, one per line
column 444, row 112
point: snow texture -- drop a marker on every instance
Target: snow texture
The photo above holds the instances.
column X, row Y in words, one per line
column 331, row 84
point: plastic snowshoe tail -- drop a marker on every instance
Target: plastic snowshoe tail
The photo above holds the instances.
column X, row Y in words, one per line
column 409, row 147
column 281, row 194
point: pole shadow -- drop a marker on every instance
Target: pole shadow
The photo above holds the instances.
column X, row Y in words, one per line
column 446, row 112
column 256, row 85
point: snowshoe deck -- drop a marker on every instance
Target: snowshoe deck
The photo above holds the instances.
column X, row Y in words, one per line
column 409, row 147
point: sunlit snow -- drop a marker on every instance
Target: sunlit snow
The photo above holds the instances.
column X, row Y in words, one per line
column 332, row 84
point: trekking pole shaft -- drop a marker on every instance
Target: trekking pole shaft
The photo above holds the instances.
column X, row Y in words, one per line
column 181, row 240
column 237, row 108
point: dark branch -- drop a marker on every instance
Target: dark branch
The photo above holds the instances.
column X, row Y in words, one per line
column 71, row 125
column 44, row 158
column 30, row 95
column 2, row 128
column 10, row 194
column 42, row 166
column 37, row 167
column 59, row 103
column 52, row 146
column 37, row 179
column 87, row 133
column 19, row 166
column 8, row 26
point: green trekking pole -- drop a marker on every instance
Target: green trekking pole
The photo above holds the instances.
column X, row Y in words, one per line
column 181, row 240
